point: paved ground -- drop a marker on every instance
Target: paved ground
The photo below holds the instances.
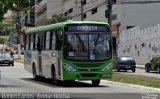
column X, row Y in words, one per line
column 17, row 80
column 140, row 72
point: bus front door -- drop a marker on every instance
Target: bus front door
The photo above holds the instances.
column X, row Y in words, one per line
column 40, row 45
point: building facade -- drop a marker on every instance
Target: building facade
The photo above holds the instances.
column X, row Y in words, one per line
column 76, row 9
column 126, row 14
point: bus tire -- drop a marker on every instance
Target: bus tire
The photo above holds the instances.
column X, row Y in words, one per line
column 95, row 83
column 35, row 76
column 134, row 70
column 54, row 75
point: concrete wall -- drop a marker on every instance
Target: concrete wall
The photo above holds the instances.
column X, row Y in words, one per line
column 140, row 43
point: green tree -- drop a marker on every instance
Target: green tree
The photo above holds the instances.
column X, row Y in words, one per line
column 3, row 39
column 59, row 18
column 13, row 5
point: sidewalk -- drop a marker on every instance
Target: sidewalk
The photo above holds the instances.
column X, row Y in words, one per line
column 140, row 66
column 16, row 56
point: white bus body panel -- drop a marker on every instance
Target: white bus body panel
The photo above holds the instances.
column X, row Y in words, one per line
column 48, row 58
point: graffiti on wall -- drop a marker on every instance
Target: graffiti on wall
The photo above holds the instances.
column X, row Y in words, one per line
column 140, row 43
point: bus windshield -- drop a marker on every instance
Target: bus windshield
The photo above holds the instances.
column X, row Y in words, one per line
column 87, row 46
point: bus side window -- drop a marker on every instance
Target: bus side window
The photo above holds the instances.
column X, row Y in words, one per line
column 27, row 41
column 50, row 39
column 53, row 40
column 47, row 40
column 31, row 41
column 58, row 40
column 44, row 40
column 39, row 44
column 36, row 40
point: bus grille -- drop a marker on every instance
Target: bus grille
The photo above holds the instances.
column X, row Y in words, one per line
column 89, row 75
column 88, row 65
column 93, row 70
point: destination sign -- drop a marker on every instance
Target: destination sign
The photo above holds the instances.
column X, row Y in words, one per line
column 87, row 28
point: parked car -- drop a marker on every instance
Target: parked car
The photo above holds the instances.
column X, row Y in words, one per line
column 124, row 63
column 6, row 58
column 153, row 65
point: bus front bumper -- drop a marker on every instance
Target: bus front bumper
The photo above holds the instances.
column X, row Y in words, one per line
column 87, row 75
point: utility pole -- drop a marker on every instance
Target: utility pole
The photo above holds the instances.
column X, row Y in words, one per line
column 110, row 12
column 18, row 25
column 82, row 10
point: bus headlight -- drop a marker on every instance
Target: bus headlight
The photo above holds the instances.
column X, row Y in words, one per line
column 69, row 68
column 108, row 67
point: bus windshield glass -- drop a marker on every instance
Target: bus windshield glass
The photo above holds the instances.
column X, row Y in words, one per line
column 88, row 45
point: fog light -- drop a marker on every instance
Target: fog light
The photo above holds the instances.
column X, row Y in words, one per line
column 106, row 75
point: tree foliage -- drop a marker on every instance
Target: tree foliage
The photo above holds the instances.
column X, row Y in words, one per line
column 13, row 5
column 59, row 18
column 3, row 39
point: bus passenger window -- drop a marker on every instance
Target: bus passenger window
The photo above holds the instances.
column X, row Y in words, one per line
column 36, row 40
column 51, row 34
column 34, row 37
column 47, row 39
column 44, row 41
column 53, row 40
column 26, row 42
column 31, row 42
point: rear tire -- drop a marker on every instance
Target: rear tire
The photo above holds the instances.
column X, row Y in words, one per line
column 35, row 76
column 158, row 69
column 12, row 63
column 118, row 70
column 95, row 83
column 55, row 81
column 133, row 70
column 147, row 68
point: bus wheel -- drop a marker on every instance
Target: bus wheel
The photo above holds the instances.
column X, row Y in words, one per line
column 54, row 75
column 34, row 73
column 95, row 82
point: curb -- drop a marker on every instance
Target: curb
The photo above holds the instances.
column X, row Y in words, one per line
column 143, row 88
column 19, row 63
column 140, row 66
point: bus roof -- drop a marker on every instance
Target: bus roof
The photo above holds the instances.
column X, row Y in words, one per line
column 60, row 25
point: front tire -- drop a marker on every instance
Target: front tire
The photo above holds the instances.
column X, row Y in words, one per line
column 95, row 83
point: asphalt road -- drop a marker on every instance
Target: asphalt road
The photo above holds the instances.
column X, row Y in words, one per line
column 140, row 72
column 16, row 82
